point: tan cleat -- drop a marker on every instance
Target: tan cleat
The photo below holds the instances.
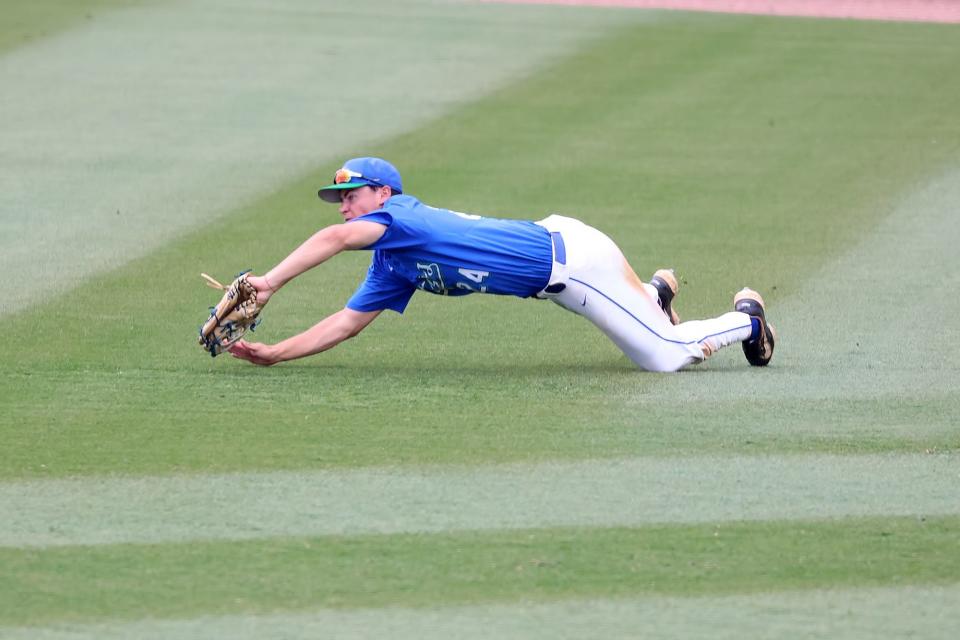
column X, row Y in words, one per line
column 759, row 350
column 667, row 286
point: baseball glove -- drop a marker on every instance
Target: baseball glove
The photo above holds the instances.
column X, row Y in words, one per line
column 235, row 314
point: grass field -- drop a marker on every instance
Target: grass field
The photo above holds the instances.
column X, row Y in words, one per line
column 477, row 467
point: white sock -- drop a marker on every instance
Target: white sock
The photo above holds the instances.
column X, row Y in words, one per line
column 717, row 333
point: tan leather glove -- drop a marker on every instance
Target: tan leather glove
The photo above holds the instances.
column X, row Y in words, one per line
column 235, row 314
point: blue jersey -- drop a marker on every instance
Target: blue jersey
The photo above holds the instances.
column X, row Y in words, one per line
column 450, row 253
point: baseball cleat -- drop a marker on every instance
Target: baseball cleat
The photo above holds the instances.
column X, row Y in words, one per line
column 666, row 285
column 757, row 350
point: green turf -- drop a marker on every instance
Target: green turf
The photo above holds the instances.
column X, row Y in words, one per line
column 242, row 96
column 24, row 22
column 131, row 581
column 784, row 154
column 739, row 150
column 313, row 420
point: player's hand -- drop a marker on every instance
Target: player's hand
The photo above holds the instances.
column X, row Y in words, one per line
column 255, row 352
column 264, row 290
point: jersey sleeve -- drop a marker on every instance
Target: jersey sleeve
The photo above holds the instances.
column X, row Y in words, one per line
column 381, row 289
column 405, row 227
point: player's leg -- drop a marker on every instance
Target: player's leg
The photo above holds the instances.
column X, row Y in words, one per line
column 663, row 287
column 602, row 287
column 758, row 348
column 716, row 333
column 632, row 319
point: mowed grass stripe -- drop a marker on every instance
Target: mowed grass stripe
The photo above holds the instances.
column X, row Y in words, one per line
column 25, row 22
column 130, row 582
column 869, row 327
column 885, row 306
column 828, row 614
column 384, row 501
column 107, row 157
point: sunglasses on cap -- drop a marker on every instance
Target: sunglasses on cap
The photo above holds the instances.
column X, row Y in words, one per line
column 346, row 175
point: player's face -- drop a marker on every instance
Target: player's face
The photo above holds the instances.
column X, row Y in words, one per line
column 357, row 202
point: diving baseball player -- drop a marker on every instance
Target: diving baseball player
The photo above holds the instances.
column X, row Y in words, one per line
column 417, row 247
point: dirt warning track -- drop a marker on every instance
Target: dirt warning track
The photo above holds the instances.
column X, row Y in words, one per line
column 895, row 10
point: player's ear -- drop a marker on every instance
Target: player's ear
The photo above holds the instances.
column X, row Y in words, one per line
column 383, row 194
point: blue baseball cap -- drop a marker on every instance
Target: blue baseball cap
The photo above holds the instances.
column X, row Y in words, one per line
column 362, row 172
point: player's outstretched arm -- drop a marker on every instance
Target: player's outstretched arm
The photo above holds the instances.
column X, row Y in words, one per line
column 317, row 249
column 324, row 335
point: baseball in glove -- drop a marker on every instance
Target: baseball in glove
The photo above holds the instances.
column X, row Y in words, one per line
column 235, row 314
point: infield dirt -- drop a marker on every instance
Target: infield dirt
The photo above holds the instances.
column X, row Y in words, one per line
column 896, row 10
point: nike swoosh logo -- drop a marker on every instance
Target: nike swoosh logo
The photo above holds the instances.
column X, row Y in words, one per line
column 584, row 303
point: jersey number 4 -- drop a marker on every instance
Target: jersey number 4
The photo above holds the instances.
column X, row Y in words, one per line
column 468, row 280
column 474, row 276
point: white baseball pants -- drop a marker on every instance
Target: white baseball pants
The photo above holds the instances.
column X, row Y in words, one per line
column 600, row 285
